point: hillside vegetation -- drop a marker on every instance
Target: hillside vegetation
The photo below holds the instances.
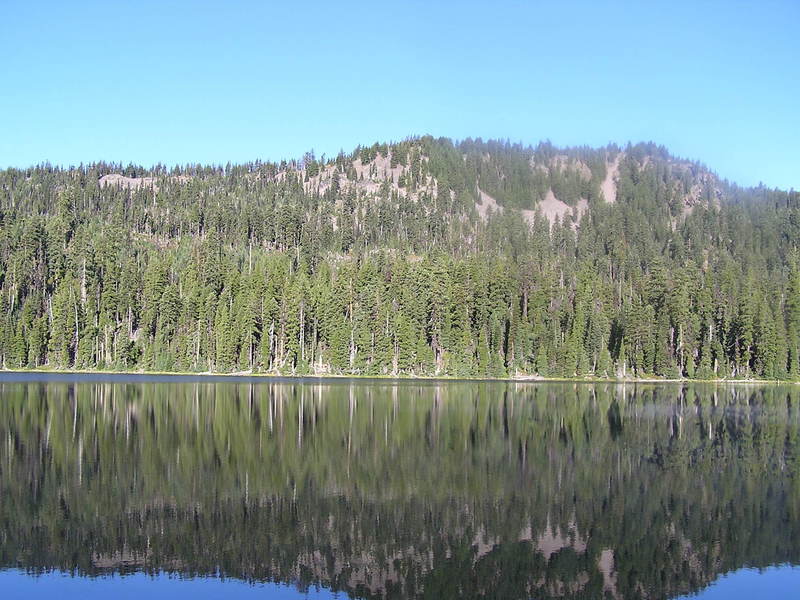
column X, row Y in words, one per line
column 424, row 257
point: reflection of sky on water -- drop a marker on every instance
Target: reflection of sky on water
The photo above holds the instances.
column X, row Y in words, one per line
column 752, row 584
column 16, row 584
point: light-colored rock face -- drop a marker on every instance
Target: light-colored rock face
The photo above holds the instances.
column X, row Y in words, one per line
column 135, row 183
column 609, row 185
column 487, row 205
column 115, row 179
column 370, row 179
column 379, row 176
column 553, row 208
column 379, row 179
column 695, row 195
column 550, row 208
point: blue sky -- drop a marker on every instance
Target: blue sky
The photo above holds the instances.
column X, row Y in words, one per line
column 212, row 82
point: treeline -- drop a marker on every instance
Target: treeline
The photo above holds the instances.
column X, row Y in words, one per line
column 381, row 263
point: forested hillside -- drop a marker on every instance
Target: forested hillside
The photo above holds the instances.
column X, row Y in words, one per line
column 425, row 257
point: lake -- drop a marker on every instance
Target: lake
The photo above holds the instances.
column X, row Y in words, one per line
column 168, row 487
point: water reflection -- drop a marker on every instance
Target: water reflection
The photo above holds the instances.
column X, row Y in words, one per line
column 403, row 490
column 18, row 585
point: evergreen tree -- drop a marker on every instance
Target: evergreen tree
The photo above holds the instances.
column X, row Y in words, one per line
column 425, row 257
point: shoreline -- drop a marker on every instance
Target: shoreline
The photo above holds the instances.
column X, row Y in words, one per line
column 244, row 375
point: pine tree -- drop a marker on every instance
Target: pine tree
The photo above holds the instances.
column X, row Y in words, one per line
column 793, row 316
column 245, row 268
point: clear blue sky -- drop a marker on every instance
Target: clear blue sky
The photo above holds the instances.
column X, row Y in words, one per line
column 213, row 82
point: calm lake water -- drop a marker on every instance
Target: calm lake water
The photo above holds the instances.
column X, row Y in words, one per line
column 126, row 487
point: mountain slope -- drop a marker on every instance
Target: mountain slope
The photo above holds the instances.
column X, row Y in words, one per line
column 419, row 257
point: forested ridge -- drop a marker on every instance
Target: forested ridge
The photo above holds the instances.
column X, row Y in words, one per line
column 423, row 257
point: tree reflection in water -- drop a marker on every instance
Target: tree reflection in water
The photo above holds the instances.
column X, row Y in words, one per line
column 403, row 490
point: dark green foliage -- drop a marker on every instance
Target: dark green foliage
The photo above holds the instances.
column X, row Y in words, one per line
column 389, row 261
